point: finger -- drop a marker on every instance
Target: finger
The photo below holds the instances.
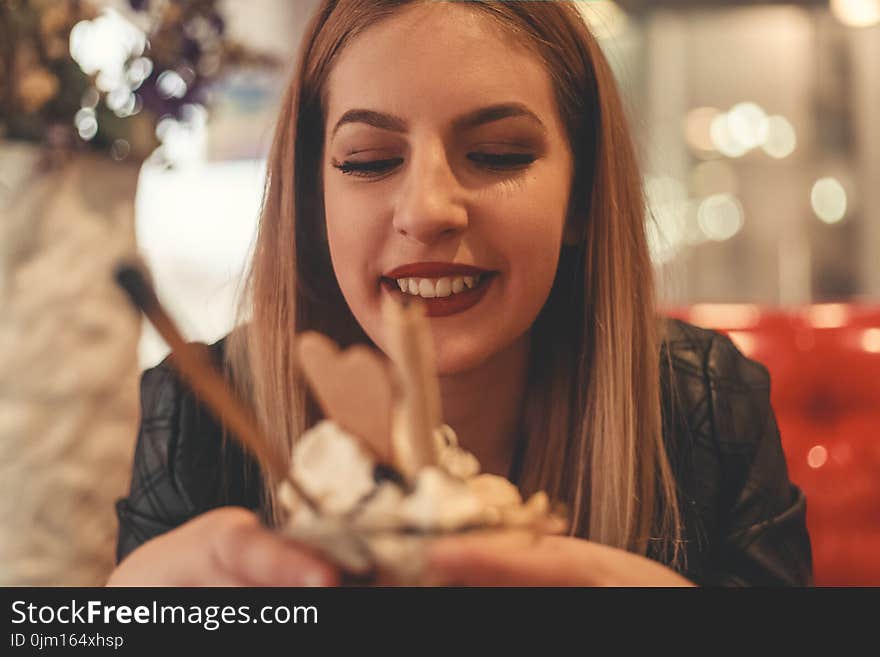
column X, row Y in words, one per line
column 166, row 561
column 245, row 550
column 506, row 559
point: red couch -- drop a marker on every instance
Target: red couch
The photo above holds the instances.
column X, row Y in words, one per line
column 824, row 362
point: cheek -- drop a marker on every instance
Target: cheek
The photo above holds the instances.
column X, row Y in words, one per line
column 355, row 234
column 533, row 244
column 531, row 230
column 533, row 248
column 351, row 239
column 525, row 233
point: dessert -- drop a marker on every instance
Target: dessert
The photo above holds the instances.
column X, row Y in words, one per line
column 370, row 485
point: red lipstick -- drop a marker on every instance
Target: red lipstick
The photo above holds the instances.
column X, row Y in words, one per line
column 434, row 270
column 453, row 304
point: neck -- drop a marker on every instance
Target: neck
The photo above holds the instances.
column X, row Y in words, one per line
column 483, row 406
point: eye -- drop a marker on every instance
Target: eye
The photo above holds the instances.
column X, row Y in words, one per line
column 502, row 161
column 368, row 169
column 493, row 161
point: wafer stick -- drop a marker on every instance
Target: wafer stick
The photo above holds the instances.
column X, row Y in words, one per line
column 195, row 366
column 417, row 413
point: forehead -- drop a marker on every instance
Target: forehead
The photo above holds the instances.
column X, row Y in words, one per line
column 437, row 60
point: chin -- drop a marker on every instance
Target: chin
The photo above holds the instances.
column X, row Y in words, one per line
column 450, row 362
column 460, row 354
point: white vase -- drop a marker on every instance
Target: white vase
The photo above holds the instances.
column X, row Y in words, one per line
column 68, row 365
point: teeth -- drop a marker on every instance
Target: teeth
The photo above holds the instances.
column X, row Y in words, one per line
column 428, row 288
column 443, row 287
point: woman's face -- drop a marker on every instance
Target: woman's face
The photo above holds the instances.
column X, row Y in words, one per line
column 447, row 172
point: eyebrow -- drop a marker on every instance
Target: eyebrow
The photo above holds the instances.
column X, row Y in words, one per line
column 470, row 120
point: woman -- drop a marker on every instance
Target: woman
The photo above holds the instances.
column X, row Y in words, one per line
column 421, row 143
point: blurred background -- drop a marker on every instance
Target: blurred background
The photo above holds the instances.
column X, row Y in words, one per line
column 756, row 126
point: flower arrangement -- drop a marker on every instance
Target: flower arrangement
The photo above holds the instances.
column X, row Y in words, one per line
column 78, row 76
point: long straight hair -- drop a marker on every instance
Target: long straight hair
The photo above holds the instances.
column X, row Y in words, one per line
column 592, row 425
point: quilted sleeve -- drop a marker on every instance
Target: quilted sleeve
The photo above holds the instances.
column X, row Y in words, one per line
column 183, row 466
column 762, row 532
column 156, row 503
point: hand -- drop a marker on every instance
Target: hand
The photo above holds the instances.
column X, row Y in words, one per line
column 517, row 559
column 223, row 547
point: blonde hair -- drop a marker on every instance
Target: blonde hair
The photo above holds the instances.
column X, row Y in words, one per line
column 592, row 423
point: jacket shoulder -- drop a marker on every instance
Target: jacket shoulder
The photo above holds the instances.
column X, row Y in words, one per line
column 182, row 436
column 727, row 392
column 728, row 452
column 183, row 465
column 712, row 355
column 162, row 388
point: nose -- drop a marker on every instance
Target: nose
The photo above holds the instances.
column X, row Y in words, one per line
column 430, row 206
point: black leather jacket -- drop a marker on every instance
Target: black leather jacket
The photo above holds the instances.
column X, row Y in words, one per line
column 745, row 521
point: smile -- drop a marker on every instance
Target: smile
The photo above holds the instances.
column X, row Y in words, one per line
column 445, row 289
column 429, row 288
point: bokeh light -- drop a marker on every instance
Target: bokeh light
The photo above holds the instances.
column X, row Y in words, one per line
column 121, row 101
column 720, row 217
column 183, row 140
column 171, row 85
column 827, row 315
column 724, row 140
column 103, row 46
column 780, row 140
column 729, row 315
column 86, row 123
column 817, row 456
column 120, row 149
column 857, row 13
column 747, row 124
column 745, row 127
column 828, row 199
column 110, row 48
column 138, row 71
column 871, row 340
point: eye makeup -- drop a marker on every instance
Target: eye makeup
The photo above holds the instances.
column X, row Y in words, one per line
column 491, row 161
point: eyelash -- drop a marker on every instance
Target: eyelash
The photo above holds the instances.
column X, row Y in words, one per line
column 492, row 161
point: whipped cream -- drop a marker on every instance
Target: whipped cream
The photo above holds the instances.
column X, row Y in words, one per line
column 367, row 521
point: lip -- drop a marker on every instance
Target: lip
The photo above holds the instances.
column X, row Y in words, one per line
column 434, row 270
column 443, row 306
